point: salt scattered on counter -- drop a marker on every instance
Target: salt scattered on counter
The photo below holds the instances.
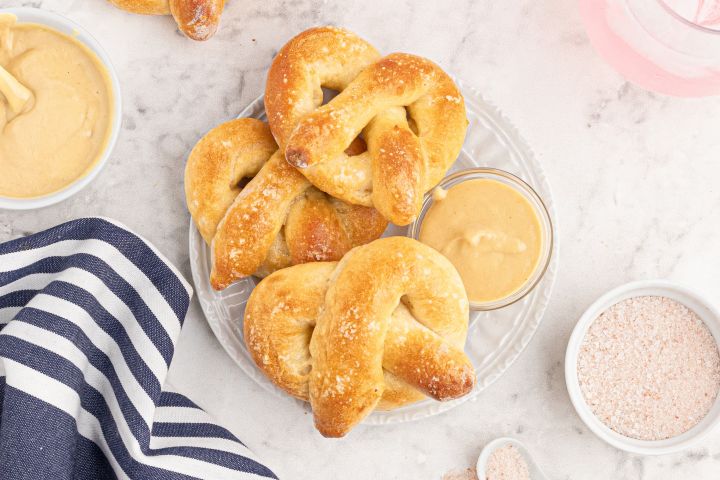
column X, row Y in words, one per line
column 466, row 474
column 506, row 463
column 649, row 368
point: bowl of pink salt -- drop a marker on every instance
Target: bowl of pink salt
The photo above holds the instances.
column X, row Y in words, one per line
column 642, row 367
column 507, row 459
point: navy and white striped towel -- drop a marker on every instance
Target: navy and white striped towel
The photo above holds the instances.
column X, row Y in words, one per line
column 89, row 317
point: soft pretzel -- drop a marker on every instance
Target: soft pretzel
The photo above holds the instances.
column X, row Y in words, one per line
column 320, row 57
column 383, row 327
column 197, row 19
column 409, row 111
column 275, row 220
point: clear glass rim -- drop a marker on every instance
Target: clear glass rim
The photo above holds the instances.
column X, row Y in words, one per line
column 548, row 233
column 688, row 22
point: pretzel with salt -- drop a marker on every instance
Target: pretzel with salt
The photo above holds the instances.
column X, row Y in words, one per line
column 258, row 213
column 197, row 19
column 408, row 110
column 382, row 328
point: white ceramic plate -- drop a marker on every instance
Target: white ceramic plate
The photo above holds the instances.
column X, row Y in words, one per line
column 496, row 338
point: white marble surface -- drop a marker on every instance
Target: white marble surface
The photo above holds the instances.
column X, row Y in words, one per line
column 634, row 176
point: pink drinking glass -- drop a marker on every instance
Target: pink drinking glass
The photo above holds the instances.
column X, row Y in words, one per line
column 668, row 46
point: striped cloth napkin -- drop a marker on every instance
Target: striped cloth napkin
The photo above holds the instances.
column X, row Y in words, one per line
column 89, row 317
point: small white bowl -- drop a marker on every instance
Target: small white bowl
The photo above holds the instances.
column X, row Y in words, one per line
column 67, row 26
column 662, row 288
column 533, row 468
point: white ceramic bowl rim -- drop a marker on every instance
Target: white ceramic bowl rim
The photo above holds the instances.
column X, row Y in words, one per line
column 684, row 295
column 67, row 26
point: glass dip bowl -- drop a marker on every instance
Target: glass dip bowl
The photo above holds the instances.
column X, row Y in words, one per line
column 519, row 186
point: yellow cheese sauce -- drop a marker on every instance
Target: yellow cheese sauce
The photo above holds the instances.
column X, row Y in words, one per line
column 59, row 134
column 490, row 232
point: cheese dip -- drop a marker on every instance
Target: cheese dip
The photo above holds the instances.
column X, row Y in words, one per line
column 490, row 232
column 56, row 109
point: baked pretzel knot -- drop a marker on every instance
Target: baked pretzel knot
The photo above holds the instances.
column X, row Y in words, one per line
column 408, row 110
column 277, row 218
column 197, row 19
column 383, row 327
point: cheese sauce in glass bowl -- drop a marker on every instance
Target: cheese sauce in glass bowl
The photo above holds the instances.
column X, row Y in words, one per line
column 493, row 228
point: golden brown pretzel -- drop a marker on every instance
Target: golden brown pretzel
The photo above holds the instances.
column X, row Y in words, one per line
column 320, row 57
column 197, row 19
column 277, row 219
column 409, row 111
column 383, row 327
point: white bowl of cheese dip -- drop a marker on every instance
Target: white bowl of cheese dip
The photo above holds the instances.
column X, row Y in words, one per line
column 80, row 143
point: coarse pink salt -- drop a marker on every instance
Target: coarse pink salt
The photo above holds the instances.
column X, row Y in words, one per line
column 649, row 368
column 506, row 463
column 465, row 474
